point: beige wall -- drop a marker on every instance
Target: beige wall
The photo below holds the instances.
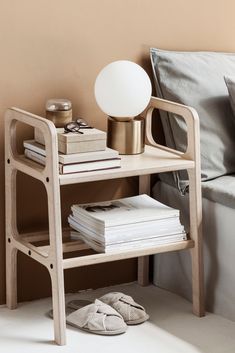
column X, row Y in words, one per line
column 55, row 49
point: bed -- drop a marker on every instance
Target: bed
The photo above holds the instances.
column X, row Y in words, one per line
column 197, row 79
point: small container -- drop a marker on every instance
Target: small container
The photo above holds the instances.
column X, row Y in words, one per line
column 90, row 141
column 59, row 111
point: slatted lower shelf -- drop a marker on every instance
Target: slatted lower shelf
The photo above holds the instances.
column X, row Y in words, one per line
column 125, row 254
column 87, row 256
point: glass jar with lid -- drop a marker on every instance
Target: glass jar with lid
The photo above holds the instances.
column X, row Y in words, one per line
column 59, row 111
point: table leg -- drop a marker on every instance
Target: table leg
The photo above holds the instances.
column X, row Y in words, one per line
column 143, row 262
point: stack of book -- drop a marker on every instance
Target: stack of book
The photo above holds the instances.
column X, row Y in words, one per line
column 77, row 152
column 125, row 224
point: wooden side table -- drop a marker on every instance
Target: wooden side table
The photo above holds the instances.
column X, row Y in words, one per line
column 155, row 159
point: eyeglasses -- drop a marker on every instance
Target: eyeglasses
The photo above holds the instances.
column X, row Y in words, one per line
column 76, row 126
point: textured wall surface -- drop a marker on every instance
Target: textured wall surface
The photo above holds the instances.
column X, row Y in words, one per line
column 55, row 49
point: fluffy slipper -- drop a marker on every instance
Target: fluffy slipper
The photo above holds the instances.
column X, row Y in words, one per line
column 131, row 312
column 98, row 318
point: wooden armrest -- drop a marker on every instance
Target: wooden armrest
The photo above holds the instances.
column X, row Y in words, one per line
column 14, row 115
column 192, row 121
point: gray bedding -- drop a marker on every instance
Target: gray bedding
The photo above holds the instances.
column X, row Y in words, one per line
column 173, row 271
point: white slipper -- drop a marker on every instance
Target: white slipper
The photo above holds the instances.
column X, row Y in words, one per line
column 98, row 318
column 131, row 312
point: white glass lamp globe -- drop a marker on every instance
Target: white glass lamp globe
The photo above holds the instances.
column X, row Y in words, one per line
column 123, row 90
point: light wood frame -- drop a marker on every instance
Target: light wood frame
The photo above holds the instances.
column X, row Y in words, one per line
column 156, row 159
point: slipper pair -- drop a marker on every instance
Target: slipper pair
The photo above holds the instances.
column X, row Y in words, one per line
column 108, row 315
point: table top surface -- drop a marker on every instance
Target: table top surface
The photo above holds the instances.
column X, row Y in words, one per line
column 153, row 160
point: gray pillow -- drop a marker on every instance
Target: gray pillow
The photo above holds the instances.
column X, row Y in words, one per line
column 197, row 79
column 230, row 82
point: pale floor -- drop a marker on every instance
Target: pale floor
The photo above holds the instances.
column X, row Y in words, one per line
column 172, row 328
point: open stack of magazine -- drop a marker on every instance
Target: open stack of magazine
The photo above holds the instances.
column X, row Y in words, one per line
column 125, row 224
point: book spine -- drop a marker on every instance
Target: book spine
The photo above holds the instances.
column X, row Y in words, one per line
column 75, row 158
column 34, row 156
column 83, row 158
column 79, row 211
column 124, row 236
column 159, row 226
column 35, row 148
column 99, row 247
column 71, row 168
column 91, row 166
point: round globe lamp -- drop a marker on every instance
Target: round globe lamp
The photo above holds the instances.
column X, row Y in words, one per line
column 123, row 91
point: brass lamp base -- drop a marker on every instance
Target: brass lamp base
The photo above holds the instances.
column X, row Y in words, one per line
column 127, row 137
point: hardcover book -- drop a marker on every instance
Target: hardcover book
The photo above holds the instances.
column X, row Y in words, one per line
column 75, row 163
column 108, row 153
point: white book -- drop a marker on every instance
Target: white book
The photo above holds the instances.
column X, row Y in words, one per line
column 130, row 231
column 142, row 244
column 34, row 156
column 138, row 227
column 124, row 236
column 89, row 166
column 108, row 153
column 77, row 167
column 135, row 209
